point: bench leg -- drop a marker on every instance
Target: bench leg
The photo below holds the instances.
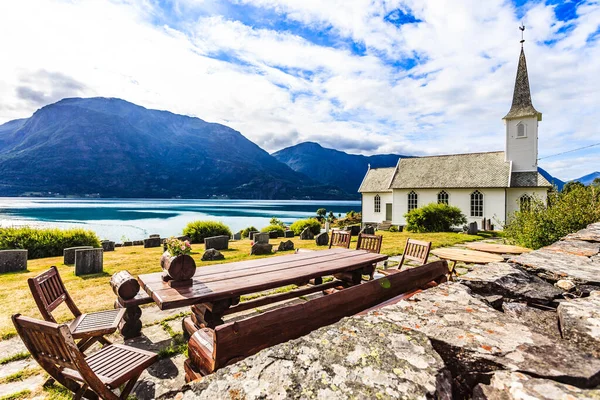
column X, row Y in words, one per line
column 209, row 315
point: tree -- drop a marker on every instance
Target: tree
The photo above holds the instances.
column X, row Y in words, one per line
column 596, row 182
column 569, row 186
column 321, row 212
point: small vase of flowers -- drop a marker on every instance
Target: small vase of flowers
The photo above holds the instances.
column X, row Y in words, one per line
column 176, row 262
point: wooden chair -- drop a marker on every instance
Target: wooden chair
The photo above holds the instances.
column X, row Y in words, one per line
column 49, row 292
column 415, row 250
column 92, row 377
column 371, row 244
column 340, row 239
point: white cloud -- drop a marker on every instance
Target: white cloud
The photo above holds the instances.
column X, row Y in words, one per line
column 278, row 88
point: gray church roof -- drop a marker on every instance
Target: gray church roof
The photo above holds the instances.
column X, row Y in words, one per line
column 377, row 180
column 522, row 105
column 528, row 179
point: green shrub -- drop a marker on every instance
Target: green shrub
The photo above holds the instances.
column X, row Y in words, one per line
column 46, row 242
column 277, row 228
column 566, row 212
column 393, row 228
column 298, row 226
column 198, row 230
column 246, row 231
column 434, row 217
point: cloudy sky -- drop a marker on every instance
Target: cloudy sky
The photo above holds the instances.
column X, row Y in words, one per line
column 363, row 76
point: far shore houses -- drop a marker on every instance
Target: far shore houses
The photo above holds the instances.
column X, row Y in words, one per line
column 489, row 185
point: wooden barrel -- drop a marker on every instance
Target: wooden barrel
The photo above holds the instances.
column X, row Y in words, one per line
column 178, row 268
column 124, row 285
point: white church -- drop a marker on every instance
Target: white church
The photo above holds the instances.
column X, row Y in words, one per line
column 483, row 185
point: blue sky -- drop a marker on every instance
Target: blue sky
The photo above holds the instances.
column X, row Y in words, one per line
column 363, row 76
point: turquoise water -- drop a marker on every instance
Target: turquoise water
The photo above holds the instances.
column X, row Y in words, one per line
column 127, row 219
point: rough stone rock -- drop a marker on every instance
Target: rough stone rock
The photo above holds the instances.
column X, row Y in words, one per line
column 237, row 236
column 152, row 242
column 322, row 239
column 580, row 322
column 89, row 261
column 514, row 385
column 212, row 255
column 555, row 266
column 286, row 246
column 342, row 361
column 108, row 245
column 474, row 339
column 510, row 282
column 217, row 242
column 288, row 234
column 306, row 234
column 261, row 248
column 69, row 254
column 589, row 234
column 262, row 238
column 13, row 260
column 575, row 247
column 565, row 285
column 273, row 234
column 368, row 230
column 544, row 322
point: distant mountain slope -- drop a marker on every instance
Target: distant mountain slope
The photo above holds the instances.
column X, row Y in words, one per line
column 118, row 149
column 589, row 178
column 332, row 167
column 554, row 181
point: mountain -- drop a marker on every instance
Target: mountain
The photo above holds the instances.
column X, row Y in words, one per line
column 589, row 178
column 114, row 148
column 554, row 181
column 333, row 167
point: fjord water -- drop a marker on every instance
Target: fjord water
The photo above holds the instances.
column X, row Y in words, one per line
column 133, row 219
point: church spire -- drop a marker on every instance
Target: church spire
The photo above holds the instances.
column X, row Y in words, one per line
column 521, row 104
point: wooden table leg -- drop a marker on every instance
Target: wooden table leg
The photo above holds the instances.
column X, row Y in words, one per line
column 208, row 315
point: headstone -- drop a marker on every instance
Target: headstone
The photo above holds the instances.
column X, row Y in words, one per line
column 327, row 226
column 212, row 255
column 217, row 242
column 261, row 248
column 155, row 235
column 152, row 242
column 251, row 234
column 306, row 234
column 118, row 244
column 128, row 243
column 353, row 229
column 262, row 238
column 69, row 254
column 138, row 242
column 183, row 238
column 472, row 228
column 237, row 236
column 286, row 246
column 108, row 245
column 322, row 239
column 368, row 230
column 273, row 234
column 288, row 234
column 88, row 261
column 13, row 260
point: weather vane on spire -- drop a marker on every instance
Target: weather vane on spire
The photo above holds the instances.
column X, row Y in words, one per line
column 522, row 28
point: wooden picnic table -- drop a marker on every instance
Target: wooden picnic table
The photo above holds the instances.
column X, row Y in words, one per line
column 216, row 289
column 497, row 248
column 466, row 256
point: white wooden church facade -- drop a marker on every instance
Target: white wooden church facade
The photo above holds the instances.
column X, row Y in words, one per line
column 483, row 185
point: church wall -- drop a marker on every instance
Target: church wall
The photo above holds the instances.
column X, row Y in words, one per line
column 493, row 203
column 368, row 206
column 522, row 151
column 513, row 196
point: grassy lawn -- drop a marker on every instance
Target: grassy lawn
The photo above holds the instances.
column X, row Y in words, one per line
column 93, row 292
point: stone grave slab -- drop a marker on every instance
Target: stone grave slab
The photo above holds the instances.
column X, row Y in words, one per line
column 152, row 242
column 217, row 242
column 69, row 254
column 262, row 238
column 13, row 260
column 89, row 261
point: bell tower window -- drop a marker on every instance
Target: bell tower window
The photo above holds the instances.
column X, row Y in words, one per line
column 521, row 130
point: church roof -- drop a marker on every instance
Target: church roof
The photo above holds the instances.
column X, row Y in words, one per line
column 474, row 170
column 522, row 105
column 528, row 179
column 377, row 180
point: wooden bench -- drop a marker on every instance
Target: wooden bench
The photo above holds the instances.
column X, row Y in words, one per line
column 340, row 239
column 96, row 375
column 211, row 349
column 415, row 250
column 370, row 243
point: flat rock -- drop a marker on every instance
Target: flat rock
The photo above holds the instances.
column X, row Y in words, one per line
column 32, row 383
column 514, row 385
column 544, row 322
column 555, row 266
column 580, row 322
column 212, row 255
column 306, row 234
column 575, row 247
column 509, row 282
column 161, row 378
column 258, row 249
column 341, row 361
column 474, row 339
column 590, row 234
column 322, row 239
column 286, row 246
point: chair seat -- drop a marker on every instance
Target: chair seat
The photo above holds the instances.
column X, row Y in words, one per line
column 96, row 324
column 115, row 364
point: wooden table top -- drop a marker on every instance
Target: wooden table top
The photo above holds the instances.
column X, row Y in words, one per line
column 467, row 256
column 497, row 248
column 223, row 281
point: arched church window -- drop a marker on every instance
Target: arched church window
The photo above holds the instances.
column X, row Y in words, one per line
column 377, row 204
column 521, row 130
column 525, row 203
column 443, row 197
column 413, row 201
column 477, row 204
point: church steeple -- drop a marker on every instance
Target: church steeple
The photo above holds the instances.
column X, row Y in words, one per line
column 521, row 104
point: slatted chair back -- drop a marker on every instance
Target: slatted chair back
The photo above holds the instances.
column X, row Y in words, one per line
column 340, row 239
column 370, row 243
column 49, row 292
column 415, row 250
